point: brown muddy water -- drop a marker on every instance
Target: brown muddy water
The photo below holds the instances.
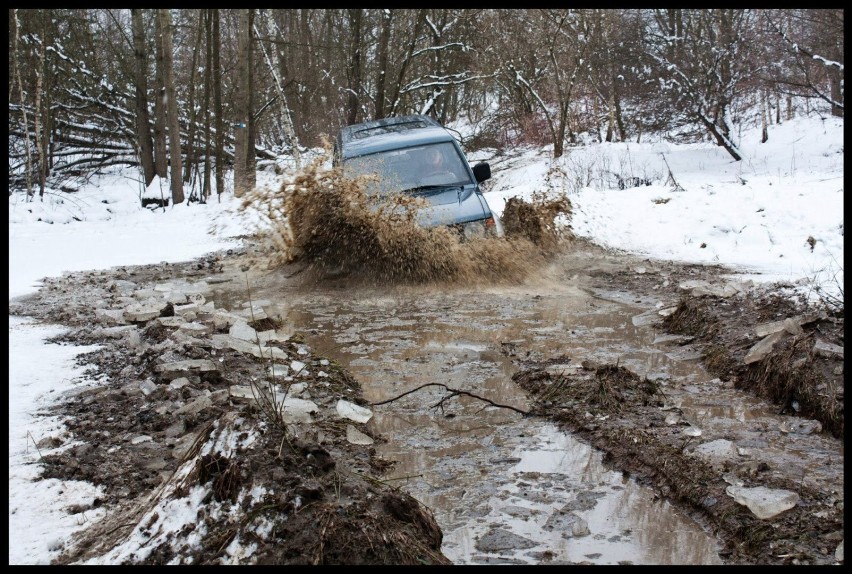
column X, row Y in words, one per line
column 504, row 488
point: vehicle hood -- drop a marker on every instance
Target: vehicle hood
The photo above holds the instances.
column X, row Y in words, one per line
column 453, row 204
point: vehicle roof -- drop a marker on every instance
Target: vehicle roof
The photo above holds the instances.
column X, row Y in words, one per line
column 391, row 133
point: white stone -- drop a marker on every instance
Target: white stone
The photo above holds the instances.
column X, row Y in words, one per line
column 278, row 370
column 241, row 330
column 763, row 347
column 147, row 387
column 110, row 316
column 717, row 449
column 353, row 412
column 355, row 436
column 143, row 311
column 763, row 502
column 179, row 383
column 298, row 410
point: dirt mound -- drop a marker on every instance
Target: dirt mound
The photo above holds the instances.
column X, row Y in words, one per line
column 797, row 373
column 535, row 220
column 333, row 225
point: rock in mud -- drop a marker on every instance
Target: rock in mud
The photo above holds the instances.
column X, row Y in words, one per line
column 763, row 502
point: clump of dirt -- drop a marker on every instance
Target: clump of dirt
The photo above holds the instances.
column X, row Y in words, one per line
column 535, row 220
column 336, row 226
column 796, row 374
column 620, row 413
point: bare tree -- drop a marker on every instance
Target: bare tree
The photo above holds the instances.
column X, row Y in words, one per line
column 274, row 64
column 813, row 54
column 161, row 161
column 16, row 59
column 217, row 106
column 708, row 70
column 244, row 160
column 172, row 106
column 143, row 119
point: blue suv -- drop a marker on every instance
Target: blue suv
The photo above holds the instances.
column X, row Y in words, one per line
column 417, row 155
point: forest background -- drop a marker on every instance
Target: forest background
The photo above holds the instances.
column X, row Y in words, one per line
column 206, row 91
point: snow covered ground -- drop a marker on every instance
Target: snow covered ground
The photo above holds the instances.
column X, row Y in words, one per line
column 777, row 214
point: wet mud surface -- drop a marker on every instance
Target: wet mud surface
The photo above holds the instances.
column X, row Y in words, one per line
column 556, row 421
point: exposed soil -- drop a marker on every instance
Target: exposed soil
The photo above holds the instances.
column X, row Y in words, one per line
column 291, row 493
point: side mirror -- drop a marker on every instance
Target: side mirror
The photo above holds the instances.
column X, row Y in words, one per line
column 481, row 172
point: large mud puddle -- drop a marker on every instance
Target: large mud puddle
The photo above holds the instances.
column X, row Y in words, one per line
column 504, row 488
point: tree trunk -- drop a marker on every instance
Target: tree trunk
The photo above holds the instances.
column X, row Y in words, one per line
column 243, row 147
column 217, row 107
column 208, row 64
column 161, row 161
column 172, row 111
column 382, row 71
column 41, row 144
column 274, row 64
column 26, row 128
column 354, row 66
column 191, row 153
column 143, row 120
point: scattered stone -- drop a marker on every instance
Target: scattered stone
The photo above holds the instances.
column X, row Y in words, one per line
column 763, row 502
column 763, row 347
column 140, row 439
column 145, row 311
column 297, row 410
column 110, row 316
column 147, row 387
column 188, row 366
column 353, row 412
column 717, row 451
column 838, row 553
column 195, row 406
column 692, row 431
column 827, row 349
column 241, row 330
column 355, row 436
column 646, row 318
column 278, row 370
column 498, row 539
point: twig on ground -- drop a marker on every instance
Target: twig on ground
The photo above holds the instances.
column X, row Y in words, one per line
column 453, row 392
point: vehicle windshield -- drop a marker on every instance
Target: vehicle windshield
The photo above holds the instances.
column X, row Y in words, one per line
column 411, row 168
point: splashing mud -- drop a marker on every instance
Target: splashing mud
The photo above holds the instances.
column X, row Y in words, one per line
column 335, row 226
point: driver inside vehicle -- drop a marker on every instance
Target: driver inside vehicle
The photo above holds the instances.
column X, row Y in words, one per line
column 435, row 160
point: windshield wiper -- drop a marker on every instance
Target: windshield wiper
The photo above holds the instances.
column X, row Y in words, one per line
column 429, row 189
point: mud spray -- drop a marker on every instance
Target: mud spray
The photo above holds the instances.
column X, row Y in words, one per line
column 332, row 225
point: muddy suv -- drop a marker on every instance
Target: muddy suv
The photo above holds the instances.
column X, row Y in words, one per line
column 417, row 155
